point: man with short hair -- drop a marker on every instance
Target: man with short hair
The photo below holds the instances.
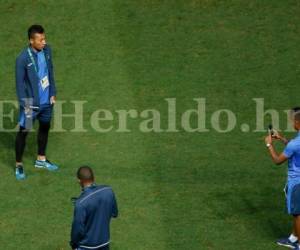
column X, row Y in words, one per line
column 93, row 211
column 292, row 154
column 36, row 93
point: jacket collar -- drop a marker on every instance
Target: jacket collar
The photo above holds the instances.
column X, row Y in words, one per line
column 33, row 51
column 86, row 188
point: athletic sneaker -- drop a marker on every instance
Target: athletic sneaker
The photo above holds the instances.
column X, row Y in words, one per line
column 287, row 243
column 20, row 175
column 45, row 164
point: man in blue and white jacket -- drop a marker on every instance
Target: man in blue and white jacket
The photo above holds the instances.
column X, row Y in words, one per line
column 92, row 213
column 36, row 93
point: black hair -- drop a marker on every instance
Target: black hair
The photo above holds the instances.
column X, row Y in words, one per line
column 296, row 113
column 33, row 29
column 85, row 173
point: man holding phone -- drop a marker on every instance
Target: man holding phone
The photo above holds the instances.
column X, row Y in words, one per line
column 292, row 189
column 36, row 95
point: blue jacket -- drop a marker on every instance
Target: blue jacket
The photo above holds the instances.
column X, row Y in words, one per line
column 93, row 210
column 27, row 81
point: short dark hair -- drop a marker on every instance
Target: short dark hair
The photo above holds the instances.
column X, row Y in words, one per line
column 295, row 112
column 33, row 29
column 85, row 173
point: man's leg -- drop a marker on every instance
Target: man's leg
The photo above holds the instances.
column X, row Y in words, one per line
column 44, row 119
column 292, row 240
column 296, row 230
column 19, row 150
column 20, row 144
column 26, row 120
column 25, row 123
column 43, row 140
column 295, row 201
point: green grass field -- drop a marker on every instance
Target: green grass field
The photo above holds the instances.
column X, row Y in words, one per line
column 175, row 190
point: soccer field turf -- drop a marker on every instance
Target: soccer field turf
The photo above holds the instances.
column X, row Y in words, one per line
column 175, row 190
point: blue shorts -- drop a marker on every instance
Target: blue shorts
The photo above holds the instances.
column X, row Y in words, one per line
column 43, row 114
column 292, row 192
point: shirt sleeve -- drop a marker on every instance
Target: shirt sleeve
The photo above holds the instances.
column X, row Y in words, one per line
column 289, row 150
column 115, row 211
column 51, row 75
column 77, row 226
column 20, row 83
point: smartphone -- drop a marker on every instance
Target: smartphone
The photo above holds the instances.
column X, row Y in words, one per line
column 271, row 129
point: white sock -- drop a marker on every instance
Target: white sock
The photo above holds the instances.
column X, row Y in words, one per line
column 293, row 238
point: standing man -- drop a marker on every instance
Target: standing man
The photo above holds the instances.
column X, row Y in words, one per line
column 93, row 210
column 36, row 95
column 292, row 189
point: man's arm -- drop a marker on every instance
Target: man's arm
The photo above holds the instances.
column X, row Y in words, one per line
column 77, row 231
column 115, row 210
column 277, row 158
column 20, row 83
column 52, row 89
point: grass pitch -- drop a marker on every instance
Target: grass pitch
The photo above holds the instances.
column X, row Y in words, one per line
column 175, row 190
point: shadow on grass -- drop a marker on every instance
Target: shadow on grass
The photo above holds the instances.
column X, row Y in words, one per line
column 271, row 218
column 7, row 145
column 260, row 212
